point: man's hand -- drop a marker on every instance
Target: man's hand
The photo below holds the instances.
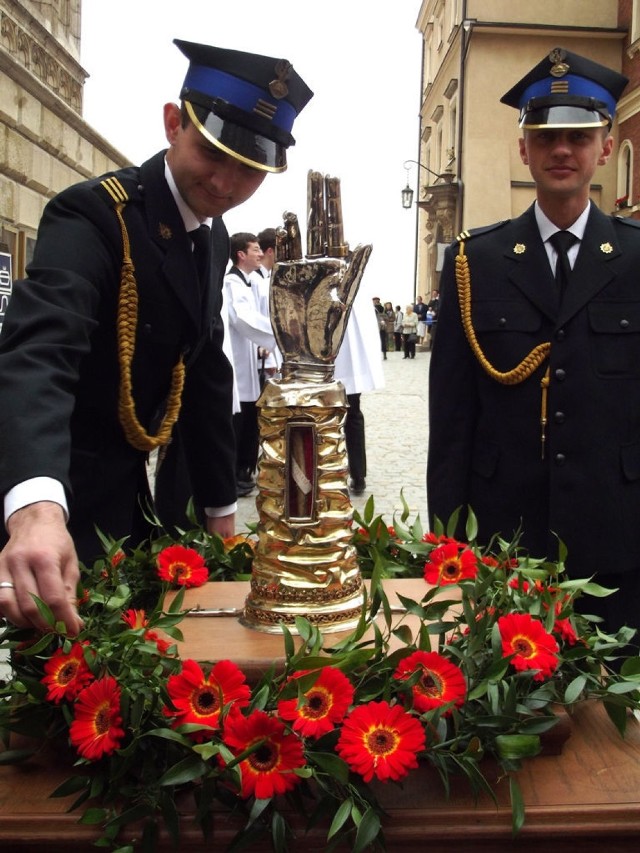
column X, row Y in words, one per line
column 223, row 525
column 39, row 559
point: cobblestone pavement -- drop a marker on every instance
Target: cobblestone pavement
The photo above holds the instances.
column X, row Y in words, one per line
column 396, row 428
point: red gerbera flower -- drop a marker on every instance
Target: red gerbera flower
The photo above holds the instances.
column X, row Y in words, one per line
column 324, row 704
column 162, row 645
column 449, row 563
column 83, row 598
column 199, row 699
column 118, row 557
column 440, row 540
column 565, row 630
column 268, row 770
column 532, row 647
column 440, row 682
column 66, row 673
column 519, row 583
column 182, row 566
column 96, row 729
column 137, row 619
column 381, row 740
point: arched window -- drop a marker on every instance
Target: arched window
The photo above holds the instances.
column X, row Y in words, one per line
column 624, row 192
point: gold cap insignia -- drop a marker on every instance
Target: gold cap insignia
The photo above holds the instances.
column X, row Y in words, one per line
column 278, row 87
column 607, row 248
column 519, row 248
column 559, row 67
column 164, row 231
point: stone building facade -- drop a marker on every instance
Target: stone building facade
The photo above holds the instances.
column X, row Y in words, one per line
column 473, row 52
column 628, row 155
column 45, row 145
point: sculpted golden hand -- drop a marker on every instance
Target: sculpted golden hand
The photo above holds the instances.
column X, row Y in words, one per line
column 310, row 299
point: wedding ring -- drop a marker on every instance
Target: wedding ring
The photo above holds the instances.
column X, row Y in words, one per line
column 6, row 585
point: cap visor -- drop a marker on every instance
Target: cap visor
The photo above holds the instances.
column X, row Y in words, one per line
column 562, row 116
column 239, row 142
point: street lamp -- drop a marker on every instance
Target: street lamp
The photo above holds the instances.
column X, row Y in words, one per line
column 407, row 192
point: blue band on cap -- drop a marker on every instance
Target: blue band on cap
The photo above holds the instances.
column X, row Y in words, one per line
column 240, row 93
column 580, row 86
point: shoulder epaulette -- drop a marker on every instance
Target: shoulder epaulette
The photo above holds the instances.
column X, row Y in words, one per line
column 463, row 236
column 114, row 190
column 626, row 220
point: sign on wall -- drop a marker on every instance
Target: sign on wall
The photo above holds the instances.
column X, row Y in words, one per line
column 6, row 284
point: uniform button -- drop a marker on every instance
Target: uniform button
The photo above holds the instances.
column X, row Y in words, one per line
column 624, row 324
column 502, row 321
column 560, row 458
column 147, row 328
column 559, row 417
column 560, row 335
column 560, row 375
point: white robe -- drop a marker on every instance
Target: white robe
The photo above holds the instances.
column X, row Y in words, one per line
column 359, row 361
column 248, row 329
column 262, row 284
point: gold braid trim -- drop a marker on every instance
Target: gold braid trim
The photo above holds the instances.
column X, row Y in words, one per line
column 127, row 320
column 520, row 372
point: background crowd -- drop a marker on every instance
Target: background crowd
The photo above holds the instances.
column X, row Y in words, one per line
column 400, row 330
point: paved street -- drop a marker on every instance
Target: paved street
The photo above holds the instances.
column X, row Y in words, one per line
column 396, row 436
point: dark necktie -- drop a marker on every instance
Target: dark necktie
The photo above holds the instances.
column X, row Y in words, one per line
column 201, row 248
column 562, row 241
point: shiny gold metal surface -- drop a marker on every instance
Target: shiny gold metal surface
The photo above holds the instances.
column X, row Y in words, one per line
column 304, row 563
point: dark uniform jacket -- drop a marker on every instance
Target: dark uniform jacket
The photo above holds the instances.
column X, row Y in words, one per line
column 485, row 446
column 58, row 355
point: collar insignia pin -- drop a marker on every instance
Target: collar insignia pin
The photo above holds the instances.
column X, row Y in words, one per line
column 519, row 249
column 607, row 248
column 164, row 231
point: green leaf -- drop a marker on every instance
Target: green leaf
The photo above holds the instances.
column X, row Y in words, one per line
column 176, row 604
column 471, row 530
column 517, row 806
column 517, row 746
column 44, row 611
column 187, row 770
column 257, row 809
column 368, row 830
column 332, row 765
column 129, row 816
column 279, row 832
column 15, row 756
column 403, row 633
column 71, row 786
column 574, row 689
column 340, row 818
column 621, row 687
column 93, row 816
column 630, row 667
column 289, row 645
column 617, row 715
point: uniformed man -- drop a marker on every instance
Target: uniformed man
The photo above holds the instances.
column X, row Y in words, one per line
column 113, row 344
column 535, row 374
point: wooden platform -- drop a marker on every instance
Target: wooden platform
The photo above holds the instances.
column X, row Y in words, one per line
column 585, row 799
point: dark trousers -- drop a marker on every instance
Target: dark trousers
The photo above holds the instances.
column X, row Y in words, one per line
column 173, row 487
column 397, row 337
column 245, row 427
column 409, row 348
column 354, row 436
